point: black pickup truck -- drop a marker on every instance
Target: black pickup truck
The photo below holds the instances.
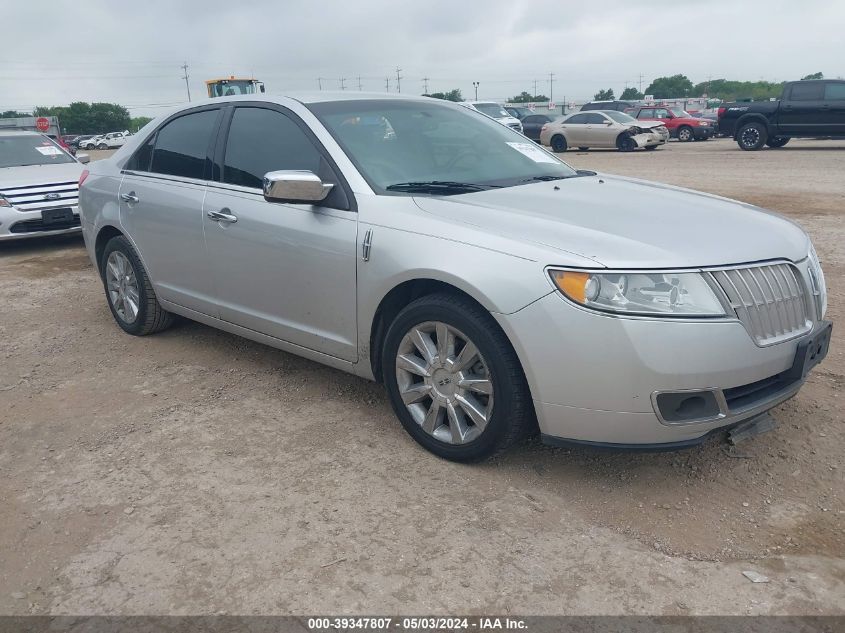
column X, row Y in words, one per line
column 814, row 107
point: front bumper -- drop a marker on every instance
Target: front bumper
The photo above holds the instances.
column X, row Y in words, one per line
column 593, row 377
column 702, row 132
column 16, row 224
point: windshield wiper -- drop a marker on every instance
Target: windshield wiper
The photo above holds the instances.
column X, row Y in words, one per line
column 438, row 186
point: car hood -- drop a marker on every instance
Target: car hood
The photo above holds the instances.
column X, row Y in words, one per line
column 625, row 223
column 11, row 177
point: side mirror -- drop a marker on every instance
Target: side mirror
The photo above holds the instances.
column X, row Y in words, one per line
column 294, row 186
column 608, row 122
column 83, row 158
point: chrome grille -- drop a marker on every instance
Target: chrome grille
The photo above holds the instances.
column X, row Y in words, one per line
column 37, row 197
column 769, row 300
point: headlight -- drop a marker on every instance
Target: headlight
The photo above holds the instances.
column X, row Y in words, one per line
column 644, row 293
column 4, row 202
column 817, row 278
column 704, row 122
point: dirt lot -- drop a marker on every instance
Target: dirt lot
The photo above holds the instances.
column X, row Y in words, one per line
column 196, row 472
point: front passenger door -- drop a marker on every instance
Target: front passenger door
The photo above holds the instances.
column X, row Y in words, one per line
column 285, row 270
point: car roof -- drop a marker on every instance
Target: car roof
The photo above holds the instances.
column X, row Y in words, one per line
column 316, row 96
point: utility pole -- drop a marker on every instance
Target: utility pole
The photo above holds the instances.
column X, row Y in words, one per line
column 534, row 94
column 343, row 83
column 551, row 87
column 319, row 83
column 387, row 84
column 641, row 83
column 359, row 83
column 425, row 84
column 398, row 80
column 187, row 85
column 475, row 85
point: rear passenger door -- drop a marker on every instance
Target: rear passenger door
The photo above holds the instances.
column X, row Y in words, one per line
column 803, row 114
column 161, row 198
column 575, row 129
column 834, row 105
column 285, row 270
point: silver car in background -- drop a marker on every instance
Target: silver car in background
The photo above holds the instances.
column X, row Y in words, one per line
column 495, row 111
column 39, row 184
column 489, row 285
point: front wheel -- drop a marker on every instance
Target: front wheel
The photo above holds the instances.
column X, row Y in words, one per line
column 626, row 144
column 752, row 136
column 454, row 380
column 102, row 146
column 685, row 133
column 558, row 143
column 777, row 141
column 129, row 292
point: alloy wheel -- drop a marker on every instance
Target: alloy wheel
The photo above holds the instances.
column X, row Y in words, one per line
column 444, row 382
column 122, row 285
column 750, row 136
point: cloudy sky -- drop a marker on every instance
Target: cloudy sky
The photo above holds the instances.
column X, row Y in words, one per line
column 60, row 51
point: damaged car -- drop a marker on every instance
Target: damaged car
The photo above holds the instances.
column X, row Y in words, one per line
column 603, row 128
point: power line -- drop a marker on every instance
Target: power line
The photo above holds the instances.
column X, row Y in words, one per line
column 187, row 85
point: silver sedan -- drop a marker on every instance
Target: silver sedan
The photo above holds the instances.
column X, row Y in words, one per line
column 491, row 287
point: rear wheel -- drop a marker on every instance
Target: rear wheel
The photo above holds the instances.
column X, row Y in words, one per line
column 558, row 143
column 454, row 380
column 777, row 141
column 685, row 133
column 583, row 149
column 752, row 136
column 129, row 292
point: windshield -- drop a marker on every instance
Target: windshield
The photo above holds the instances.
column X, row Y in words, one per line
column 230, row 87
column 620, row 117
column 491, row 109
column 680, row 113
column 394, row 143
column 19, row 151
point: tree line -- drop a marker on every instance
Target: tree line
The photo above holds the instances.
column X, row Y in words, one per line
column 81, row 117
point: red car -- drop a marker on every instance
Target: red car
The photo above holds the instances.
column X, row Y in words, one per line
column 681, row 124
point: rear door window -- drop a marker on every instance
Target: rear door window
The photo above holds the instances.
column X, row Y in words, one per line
column 807, row 91
column 646, row 113
column 834, row 92
column 183, row 146
column 577, row 119
column 595, row 119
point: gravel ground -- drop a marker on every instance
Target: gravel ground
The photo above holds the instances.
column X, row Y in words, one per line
column 196, row 472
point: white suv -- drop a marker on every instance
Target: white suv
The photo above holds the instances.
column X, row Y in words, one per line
column 112, row 140
column 495, row 111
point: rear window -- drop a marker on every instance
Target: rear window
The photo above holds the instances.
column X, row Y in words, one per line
column 809, row 91
column 20, row 151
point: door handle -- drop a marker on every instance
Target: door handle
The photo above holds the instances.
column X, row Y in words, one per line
column 224, row 215
column 130, row 197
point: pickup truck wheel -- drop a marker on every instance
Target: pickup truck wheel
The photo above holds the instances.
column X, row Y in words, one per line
column 685, row 133
column 752, row 136
column 777, row 141
column 558, row 143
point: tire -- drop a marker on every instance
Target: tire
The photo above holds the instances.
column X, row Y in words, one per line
column 102, row 146
column 558, row 143
column 651, row 147
column 752, row 136
column 507, row 409
column 685, row 134
column 777, row 141
column 583, row 149
column 625, row 143
column 150, row 317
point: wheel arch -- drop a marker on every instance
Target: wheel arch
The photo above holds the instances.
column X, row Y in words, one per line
column 747, row 118
column 398, row 297
column 105, row 233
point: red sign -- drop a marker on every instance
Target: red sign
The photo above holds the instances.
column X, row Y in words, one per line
column 42, row 123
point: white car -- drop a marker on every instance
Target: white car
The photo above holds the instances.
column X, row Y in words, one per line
column 112, row 140
column 39, row 186
column 495, row 111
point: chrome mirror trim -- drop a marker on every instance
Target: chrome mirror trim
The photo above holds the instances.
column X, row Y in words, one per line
column 294, row 186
